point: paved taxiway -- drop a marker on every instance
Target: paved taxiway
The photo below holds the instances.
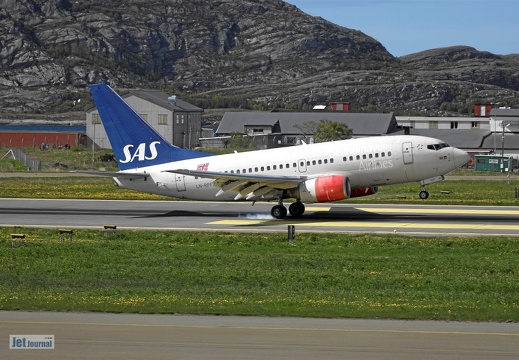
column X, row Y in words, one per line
column 211, row 216
column 130, row 336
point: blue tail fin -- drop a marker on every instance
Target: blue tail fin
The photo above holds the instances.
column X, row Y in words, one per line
column 134, row 142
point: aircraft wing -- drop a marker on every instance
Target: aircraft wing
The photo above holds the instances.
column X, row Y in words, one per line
column 248, row 186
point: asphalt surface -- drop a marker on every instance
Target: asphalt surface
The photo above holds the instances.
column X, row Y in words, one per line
column 129, row 336
column 425, row 220
column 126, row 336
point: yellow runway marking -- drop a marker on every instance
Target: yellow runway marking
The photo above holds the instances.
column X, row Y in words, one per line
column 363, row 224
column 439, row 211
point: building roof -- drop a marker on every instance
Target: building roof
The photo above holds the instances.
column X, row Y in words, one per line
column 362, row 124
column 505, row 112
column 460, row 138
column 164, row 100
column 495, row 142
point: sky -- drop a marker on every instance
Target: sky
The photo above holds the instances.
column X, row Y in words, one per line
column 408, row 26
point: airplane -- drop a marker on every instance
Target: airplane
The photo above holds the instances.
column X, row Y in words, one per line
column 311, row 173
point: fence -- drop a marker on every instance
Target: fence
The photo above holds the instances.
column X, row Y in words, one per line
column 31, row 164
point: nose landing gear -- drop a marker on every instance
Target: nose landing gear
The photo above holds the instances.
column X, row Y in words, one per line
column 424, row 194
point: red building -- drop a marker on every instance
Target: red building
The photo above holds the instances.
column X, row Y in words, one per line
column 340, row 106
column 15, row 139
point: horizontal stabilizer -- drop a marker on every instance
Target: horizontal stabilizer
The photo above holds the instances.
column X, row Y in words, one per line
column 117, row 174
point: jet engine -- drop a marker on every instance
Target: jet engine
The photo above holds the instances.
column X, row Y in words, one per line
column 364, row 191
column 322, row 189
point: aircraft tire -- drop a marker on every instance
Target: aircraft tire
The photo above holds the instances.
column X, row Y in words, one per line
column 278, row 212
column 424, row 195
column 296, row 209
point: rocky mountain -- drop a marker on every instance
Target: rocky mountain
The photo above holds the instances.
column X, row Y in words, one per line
column 267, row 51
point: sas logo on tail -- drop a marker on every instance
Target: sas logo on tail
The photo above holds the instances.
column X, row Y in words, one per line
column 140, row 152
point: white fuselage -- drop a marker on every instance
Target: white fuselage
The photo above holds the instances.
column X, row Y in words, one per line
column 366, row 162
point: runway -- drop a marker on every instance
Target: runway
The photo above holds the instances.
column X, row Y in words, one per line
column 130, row 336
column 235, row 217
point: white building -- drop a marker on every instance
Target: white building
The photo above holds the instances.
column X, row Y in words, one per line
column 177, row 121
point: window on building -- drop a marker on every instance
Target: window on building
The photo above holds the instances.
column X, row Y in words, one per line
column 144, row 116
column 163, row 119
column 96, row 119
column 475, row 124
column 454, row 124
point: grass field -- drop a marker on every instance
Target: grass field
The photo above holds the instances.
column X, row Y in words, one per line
column 321, row 275
column 495, row 191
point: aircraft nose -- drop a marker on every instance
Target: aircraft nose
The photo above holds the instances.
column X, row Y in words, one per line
column 460, row 157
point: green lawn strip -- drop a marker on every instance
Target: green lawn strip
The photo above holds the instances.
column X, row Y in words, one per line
column 82, row 187
column 321, row 275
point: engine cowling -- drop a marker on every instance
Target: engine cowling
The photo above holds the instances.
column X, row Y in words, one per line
column 364, row 191
column 323, row 189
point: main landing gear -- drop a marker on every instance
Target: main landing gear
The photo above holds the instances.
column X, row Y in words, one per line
column 279, row 211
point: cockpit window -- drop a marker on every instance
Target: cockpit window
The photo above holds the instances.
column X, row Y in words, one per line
column 437, row 146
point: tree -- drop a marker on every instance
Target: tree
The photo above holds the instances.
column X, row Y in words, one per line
column 307, row 128
column 330, row 131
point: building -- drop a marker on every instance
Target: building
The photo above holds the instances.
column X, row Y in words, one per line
column 44, row 136
column 178, row 121
column 284, row 128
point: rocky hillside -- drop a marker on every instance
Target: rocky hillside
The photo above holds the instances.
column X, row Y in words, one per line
column 264, row 50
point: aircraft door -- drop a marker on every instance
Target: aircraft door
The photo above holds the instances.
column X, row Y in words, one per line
column 302, row 165
column 407, row 152
column 180, row 182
